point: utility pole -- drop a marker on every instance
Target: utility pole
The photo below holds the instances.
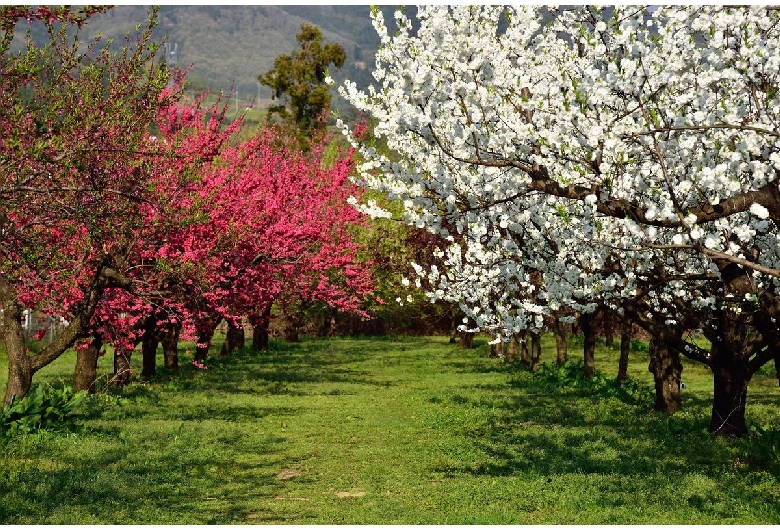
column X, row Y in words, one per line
column 171, row 52
column 171, row 55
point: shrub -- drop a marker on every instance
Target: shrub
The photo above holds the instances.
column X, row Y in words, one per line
column 44, row 407
column 571, row 375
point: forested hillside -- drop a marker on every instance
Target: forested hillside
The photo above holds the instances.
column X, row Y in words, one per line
column 228, row 46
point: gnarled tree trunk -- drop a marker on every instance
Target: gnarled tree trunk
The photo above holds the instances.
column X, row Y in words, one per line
column 734, row 336
column 666, row 367
column 511, row 348
column 293, row 319
column 260, row 331
column 205, row 329
column 170, row 343
column 525, row 350
column 234, row 339
column 122, row 369
column 732, row 344
column 536, row 351
column 608, row 323
column 734, row 341
column 21, row 365
column 20, row 368
column 85, row 373
column 777, row 366
column 466, row 340
column 731, row 380
column 561, row 347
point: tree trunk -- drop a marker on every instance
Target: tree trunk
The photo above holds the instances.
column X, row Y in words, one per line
column 291, row 333
column 733, row 344
column 205, row 330
column 20, row 369
column 497, row 349
column 234, row 339
column 122, row 370
column 625, row 348
column 608, row 322
column 149, row 344
column 730, row 381
column 170, row 344
column 511, row 348
column 466, row 340
column 666, row 367
column 536, row 351
column 85, row 374
column 453, row 326
column 589, row 345
column 734, row 340
column 293, row 318
column 260, row 327
column 260, row 338
column 326, row 322
column 561, row 347
column 525, row 356
column 777, row 367
column 21, row 366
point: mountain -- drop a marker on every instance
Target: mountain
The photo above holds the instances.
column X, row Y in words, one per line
column 228, row 46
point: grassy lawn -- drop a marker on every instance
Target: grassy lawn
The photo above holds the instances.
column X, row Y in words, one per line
column 391, row 431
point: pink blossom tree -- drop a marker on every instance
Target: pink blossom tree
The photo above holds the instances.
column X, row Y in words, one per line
column 276, row 227
column 153, row 307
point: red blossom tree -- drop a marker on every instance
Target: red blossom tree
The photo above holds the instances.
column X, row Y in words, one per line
column 234, row 229
column 74, row 174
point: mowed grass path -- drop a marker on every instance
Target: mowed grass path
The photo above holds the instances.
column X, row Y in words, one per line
column 390, row 431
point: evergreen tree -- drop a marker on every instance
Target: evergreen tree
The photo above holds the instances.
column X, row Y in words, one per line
column 298, row 80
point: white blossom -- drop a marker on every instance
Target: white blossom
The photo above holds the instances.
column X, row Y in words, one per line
column 759, row 211
column 648, row 110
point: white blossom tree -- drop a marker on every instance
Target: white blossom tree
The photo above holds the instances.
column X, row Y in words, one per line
column 627, row 156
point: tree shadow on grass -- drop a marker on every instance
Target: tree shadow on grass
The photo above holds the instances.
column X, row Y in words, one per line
column 541, row 433
column 194, row 477
column 280, row 369
column 232, row 413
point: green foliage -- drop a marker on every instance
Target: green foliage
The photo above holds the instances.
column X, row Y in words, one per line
column 400, row 306
column 761, row 448
column 768, row 370
column 571, row 376
column 391, row 245
column 568, row 374
column 44, row 407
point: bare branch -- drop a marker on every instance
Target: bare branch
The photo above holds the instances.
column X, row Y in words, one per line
column 768, row 132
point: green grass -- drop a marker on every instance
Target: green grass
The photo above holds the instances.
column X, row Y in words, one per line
column 392, row 431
